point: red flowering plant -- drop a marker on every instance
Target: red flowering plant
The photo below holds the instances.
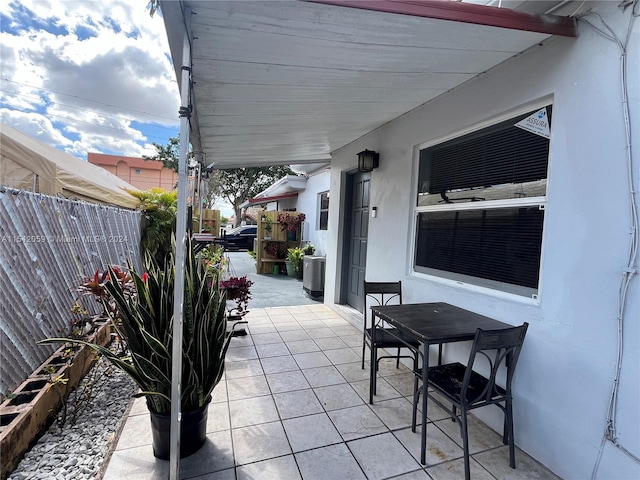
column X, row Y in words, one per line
column 276, row 249
column 81, row 324
column 290, row 221
column 238, row 290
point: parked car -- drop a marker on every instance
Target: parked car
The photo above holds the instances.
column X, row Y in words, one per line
column 240, row 238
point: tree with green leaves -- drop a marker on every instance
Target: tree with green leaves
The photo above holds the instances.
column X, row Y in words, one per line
column 168, row 154
column 236, row 185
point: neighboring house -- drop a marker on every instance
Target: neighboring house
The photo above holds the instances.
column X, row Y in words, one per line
column 566, row 217
column 141, row 173
column 308, row 194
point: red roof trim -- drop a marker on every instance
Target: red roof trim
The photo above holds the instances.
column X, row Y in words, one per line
column 257, row 201
column 467, row 13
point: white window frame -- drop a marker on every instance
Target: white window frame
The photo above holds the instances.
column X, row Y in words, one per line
column 320, row 210
column 477, row 284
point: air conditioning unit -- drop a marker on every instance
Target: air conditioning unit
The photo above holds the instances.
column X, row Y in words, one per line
column 313, row 275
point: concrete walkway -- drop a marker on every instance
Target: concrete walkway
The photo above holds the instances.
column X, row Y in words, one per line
column 269, row 290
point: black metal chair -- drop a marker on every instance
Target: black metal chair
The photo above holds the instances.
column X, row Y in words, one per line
column 386, row 337
column 465, row 389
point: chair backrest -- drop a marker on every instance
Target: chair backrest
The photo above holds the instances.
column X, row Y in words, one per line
column 499, row 347
column 380, row 293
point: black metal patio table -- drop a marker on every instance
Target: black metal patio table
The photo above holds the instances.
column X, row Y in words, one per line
column 432, row 324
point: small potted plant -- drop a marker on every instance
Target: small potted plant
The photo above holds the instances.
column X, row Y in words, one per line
column 276, row 249
column 309, row 249
column 294, row 262
column 268, row 226
column 239, row 290
column 214, row 262
column 290, row 222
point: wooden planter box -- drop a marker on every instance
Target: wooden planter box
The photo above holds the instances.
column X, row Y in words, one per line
column 35, row 401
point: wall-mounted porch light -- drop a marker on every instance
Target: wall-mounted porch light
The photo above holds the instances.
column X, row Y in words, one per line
column 368, row 160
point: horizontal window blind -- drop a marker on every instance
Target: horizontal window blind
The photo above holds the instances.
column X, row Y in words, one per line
column 511, row 156
column 459, row 233
column 501, row 154
column 500, row 244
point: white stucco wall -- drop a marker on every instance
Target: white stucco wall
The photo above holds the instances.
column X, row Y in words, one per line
column 307, row 202
column 565, row 374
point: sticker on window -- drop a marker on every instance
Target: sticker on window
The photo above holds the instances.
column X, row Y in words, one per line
column 537, row 123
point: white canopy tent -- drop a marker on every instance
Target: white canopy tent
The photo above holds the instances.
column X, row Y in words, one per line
column 28, row 164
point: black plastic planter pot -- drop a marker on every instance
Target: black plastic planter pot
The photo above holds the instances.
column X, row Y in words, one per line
column 193, row 429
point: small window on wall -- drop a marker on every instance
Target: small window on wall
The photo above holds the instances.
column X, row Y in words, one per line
column 480, row 206
column 323, row 211
column 138, row 171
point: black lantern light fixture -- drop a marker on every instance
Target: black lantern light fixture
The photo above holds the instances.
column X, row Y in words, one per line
column 368, row 160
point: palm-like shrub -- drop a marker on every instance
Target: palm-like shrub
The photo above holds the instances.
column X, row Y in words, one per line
column 145, row 324
column 159, row 208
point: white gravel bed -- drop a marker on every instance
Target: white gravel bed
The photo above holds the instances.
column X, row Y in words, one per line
column 78, row 452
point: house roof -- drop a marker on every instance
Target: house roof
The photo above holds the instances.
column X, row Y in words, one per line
column 290, row 82
column 285, row 187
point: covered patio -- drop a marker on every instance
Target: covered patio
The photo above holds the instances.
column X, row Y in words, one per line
column 307, row 82
column 293, row 405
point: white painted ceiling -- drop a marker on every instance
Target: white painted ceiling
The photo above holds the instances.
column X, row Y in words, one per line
column 289, row 82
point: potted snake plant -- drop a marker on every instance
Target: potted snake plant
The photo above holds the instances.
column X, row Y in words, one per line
column 144, row 322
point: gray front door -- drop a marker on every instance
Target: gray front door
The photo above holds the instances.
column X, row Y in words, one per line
column 356, row 238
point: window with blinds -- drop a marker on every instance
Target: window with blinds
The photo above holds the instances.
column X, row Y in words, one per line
column 480, row 207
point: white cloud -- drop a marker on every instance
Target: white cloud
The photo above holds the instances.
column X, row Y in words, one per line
column 35, row 125
column 84, row 73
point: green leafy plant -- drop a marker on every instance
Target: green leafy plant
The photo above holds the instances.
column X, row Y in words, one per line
column 268, row 224
column 146, row 326
column 296, row 256
column 309, row 249
column 214, row 261
column 159, row 208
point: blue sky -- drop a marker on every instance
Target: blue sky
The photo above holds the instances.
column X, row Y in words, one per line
column 87, row 76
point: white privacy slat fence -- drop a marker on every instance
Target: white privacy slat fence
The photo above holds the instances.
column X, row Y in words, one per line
column 49, row 245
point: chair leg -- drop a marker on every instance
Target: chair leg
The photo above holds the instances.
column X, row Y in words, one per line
column 364, row 346
column 374, row 367
column 372, row 373
column 512, row 443
column 398, row 359
column 464, row 428
column 375, row 382
column 505, row 428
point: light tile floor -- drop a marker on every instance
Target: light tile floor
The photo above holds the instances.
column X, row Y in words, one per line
column 293, row 405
